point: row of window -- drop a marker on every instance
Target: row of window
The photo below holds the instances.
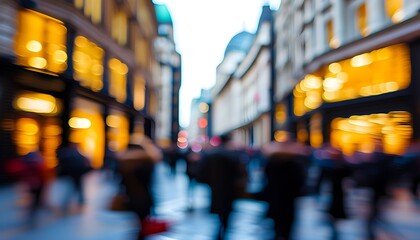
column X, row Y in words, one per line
column 41, row 45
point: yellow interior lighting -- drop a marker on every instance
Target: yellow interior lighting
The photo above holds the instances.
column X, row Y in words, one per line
column 118, row 132
column 89, row 131
column 362, row 20
column 373, row 73
column 37, row 103
column 80, row 123
column 357, row 133
column 139, row 92
column 26, row 135
column 118, row 79
column 394, row 9
column 88, row 63
column 40, row 42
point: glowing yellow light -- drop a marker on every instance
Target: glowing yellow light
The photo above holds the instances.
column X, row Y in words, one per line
column 34, row 46
column 37, row 62
column 38, row 103
column 28, row 128
column 361, row 60
column 113, row 121
column 332, row 84
column 203, row 107
column 60, row 56
column 334, row 68
column 281, row 136
column 81, row 123
column 81, row 41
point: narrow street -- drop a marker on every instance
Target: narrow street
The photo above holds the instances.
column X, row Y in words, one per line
column 400, row 218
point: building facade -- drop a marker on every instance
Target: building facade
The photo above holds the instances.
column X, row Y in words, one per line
column 75, row 71
column 168, row 85
column 345, row 73
column 243, row 86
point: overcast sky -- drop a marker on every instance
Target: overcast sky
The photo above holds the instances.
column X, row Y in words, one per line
column 202, row 30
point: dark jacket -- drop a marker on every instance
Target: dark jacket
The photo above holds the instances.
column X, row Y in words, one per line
column 223, row 171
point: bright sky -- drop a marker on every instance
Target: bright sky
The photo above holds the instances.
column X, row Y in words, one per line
column 202, row 30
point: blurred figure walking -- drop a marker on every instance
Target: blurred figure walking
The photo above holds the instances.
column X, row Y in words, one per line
column 221, row 168
column 136, row 167
column 285, row 182
column 33, row 175
column 72, row 164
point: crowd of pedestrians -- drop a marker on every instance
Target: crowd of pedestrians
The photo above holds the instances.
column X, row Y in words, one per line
column 286, row 167
column 225, row 168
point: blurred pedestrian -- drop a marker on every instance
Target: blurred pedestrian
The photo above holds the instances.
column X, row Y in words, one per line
column 73, row 165
column 192, row 157
column 172, row 154
column 33, row 175
column 336, row 174
column 221, row 168
column 136, row 167
column 110, row 164
column 285, row 182
column 373, row 173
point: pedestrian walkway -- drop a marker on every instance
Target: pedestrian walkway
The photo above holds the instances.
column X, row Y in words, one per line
column 400, row 219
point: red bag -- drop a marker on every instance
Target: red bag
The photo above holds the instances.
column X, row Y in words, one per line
column 151, row 226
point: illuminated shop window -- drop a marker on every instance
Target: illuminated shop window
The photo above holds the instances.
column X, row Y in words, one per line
column 118, row 131
column 362, row 20
column 44, row 135
column 394, row 9
column 373, row 73
column 88, row 63
column 90, row 8
column 37, row 103
column 139, row 92
column 118, row 79
column 281, row 113
column 27, row 135
column 142, row 52
column 357, row 133
column 51, row 140
column 307, row 94
column 87, row 128
column 119, row 27
column 40, row 42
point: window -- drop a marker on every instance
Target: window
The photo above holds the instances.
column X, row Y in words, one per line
column 362, row 20
column 88, row 63
column 139, row 92
column 40, row 42
column 394, row 9
column 117, row 79
column 358, row 132
column 118, row 132
column 120, row 27
column 332, row 40
column 91, row 8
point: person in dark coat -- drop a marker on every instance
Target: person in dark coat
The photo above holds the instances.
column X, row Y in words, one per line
column 337, row 172
column 72, row 164
column 192, row 159
column 222, row 170
column 136, row 167
column 285, row 180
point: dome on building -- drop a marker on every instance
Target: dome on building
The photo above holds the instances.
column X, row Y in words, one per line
column 162, row 14
column 240, row 42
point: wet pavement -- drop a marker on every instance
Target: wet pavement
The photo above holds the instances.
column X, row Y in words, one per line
column 400, row 218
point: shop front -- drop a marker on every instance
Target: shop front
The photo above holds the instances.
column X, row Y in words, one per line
column 351, row 102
